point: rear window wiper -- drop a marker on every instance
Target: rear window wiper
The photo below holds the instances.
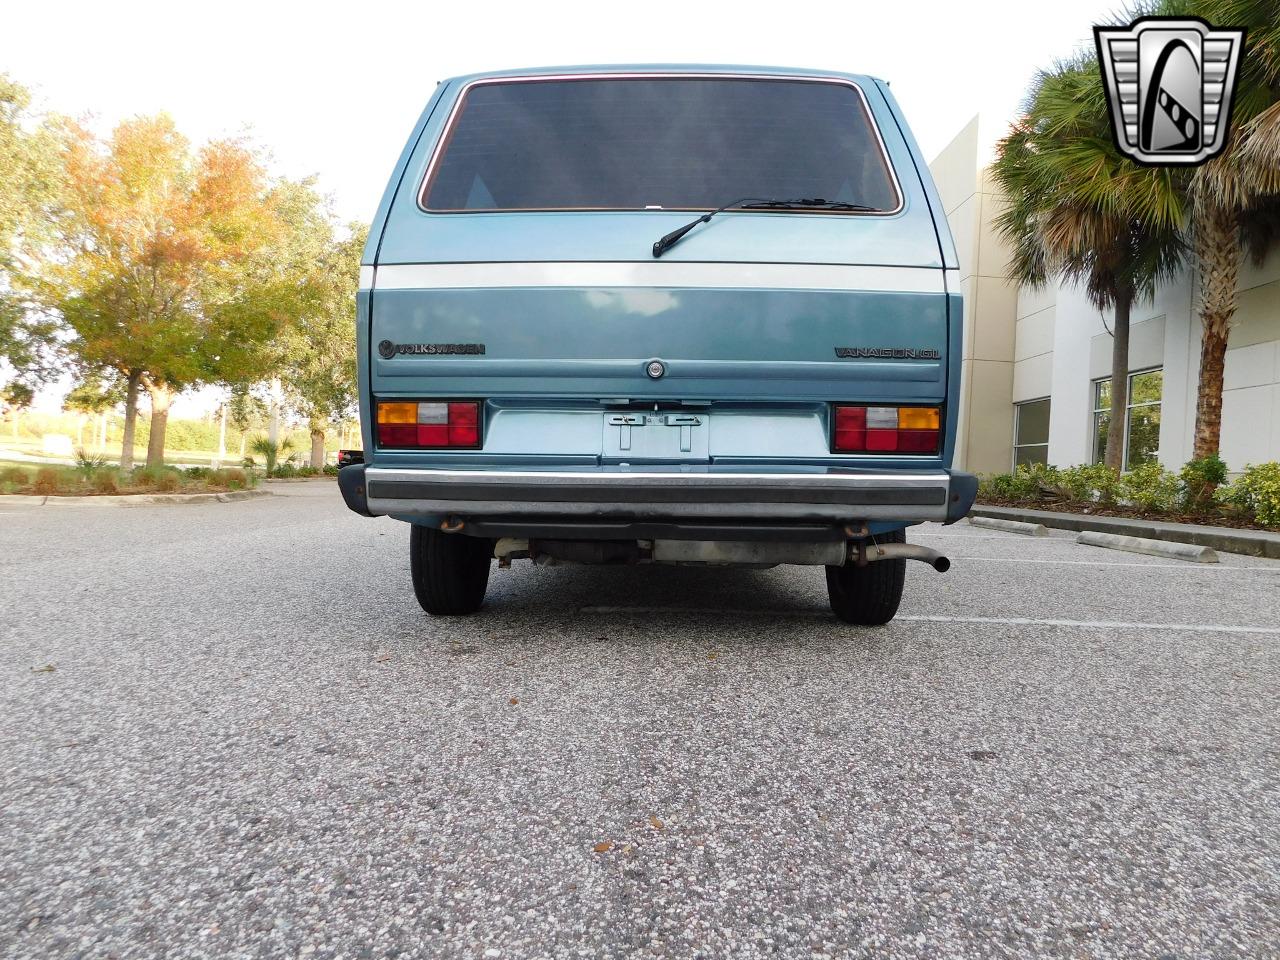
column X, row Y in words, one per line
column 755, row 203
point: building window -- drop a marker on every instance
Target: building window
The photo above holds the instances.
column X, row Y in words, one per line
column 1031, row 432
column 1142, row 420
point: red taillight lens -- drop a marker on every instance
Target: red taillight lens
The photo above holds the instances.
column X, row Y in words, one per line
column 851, row 428
column 886, row 430
column 429, row 424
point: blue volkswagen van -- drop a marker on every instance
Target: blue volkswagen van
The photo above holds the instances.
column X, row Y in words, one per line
column 692, row 315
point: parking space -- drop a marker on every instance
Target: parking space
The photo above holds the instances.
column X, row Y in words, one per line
column 231, row 732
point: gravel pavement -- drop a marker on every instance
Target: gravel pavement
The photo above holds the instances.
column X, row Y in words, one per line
column 229, row 731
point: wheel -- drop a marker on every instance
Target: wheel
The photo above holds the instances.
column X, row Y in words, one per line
column 868, row 596
column 450, row 571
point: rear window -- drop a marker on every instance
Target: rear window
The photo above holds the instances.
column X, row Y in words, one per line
column 643, row 143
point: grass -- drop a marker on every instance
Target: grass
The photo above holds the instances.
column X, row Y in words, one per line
column 92, row 478
column 112, row 454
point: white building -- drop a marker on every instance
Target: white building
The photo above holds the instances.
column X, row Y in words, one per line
column 1037, row 363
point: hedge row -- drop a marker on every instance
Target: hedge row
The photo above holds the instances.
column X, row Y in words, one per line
column 1199, row 489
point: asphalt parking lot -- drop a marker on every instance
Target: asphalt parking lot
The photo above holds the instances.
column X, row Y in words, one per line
column 230, row 732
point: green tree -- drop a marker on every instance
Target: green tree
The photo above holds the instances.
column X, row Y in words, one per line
column 16, row 397
column 317, row 352
column 95, row 394
column 170, row 276
column 30, row 182
column 1079, row 210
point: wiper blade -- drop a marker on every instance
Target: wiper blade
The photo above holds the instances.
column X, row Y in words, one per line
column 804, row 203
column 665, row 243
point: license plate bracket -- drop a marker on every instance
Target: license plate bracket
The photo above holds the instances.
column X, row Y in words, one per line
column 656, row 435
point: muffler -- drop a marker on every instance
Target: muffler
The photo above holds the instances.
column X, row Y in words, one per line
column 862, row 554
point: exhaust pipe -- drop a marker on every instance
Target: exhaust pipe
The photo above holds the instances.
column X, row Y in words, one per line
column 863, row 554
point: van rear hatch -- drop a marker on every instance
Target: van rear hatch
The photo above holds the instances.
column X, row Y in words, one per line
column 515, row 263
column 720, row 331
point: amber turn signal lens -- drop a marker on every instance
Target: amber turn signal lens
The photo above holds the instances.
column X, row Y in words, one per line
column 397, row 413
column 918, row 418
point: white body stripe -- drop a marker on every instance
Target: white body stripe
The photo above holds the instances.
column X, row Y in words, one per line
column 366, row 278
column 673, row 275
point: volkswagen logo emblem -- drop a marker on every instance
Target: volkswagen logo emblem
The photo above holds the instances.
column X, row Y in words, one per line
column 655, row 369
column 386, row 349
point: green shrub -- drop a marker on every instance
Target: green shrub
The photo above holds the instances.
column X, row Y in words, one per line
column 13, row 479
column 1106, row 482
column 1027, row 483
column 1030, row 481
column 105, row 481
column 1073, row 486
column 1199, row 479
column 331, row 470
column 48, row 482
column 1150, row 486
column 270, row 452
column 160, row 479
column 233, row 478
column 1087, row 483
column 1256, row 492
column 987, row 485
column 87, row 464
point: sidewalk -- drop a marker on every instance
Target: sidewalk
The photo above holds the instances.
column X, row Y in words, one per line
column 1254, row 543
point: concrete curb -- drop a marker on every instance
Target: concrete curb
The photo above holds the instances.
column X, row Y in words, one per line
column 135, row 499
column 1154, row 548
column 1253, row 543
column 1010, row 526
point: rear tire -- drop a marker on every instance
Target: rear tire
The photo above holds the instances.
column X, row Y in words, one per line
column 450, row 571
column 868, row 596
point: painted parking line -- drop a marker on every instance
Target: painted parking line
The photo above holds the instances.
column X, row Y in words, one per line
column 909, row 618
column 1094, row 624
column 1270, row 571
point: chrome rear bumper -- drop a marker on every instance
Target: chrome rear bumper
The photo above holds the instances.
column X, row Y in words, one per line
column 828, row 495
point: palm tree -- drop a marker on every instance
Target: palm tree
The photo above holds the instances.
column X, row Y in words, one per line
column 1235, row 198
column 270, row 450
column 1077, row 209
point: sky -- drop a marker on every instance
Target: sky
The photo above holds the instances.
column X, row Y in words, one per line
column 332, row 90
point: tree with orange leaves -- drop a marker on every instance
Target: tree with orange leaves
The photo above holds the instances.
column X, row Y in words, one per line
column 171, row 275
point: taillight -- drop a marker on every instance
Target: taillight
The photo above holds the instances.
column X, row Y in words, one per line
column 428, row 423
column 886, row 430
